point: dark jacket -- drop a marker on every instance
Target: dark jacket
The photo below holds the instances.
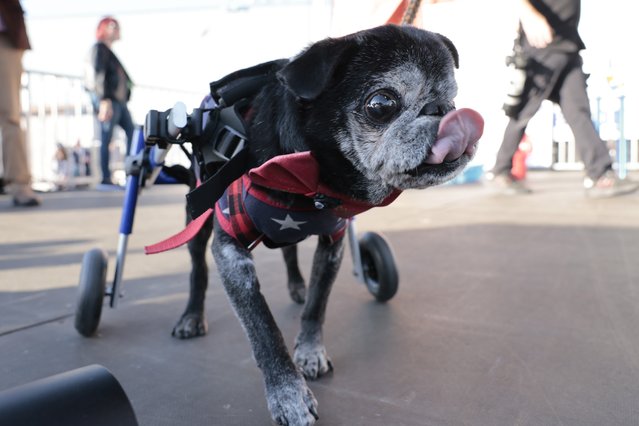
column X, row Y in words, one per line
column 104, row 74
column 13, row 18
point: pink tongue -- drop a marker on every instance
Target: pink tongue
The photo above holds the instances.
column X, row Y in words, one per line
column 458, row 133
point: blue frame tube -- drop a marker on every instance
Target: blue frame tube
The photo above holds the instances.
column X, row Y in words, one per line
column 132, row 188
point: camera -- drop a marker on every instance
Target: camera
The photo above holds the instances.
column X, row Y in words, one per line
column 517, row 63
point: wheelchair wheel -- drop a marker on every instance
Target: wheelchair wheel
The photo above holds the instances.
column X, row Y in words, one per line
column 91, row 292
column 378, row 264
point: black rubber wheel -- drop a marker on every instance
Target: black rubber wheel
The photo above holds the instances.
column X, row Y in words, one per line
column 378, row 264
column 91, row 292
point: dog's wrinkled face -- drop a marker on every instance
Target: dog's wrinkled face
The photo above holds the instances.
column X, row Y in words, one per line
column 381, row 95
column 391, row 128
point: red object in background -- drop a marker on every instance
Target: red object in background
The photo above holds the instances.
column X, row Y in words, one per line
column 520, row 168
column 396, row 17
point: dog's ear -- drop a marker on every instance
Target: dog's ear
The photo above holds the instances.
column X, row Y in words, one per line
column 309, row 73
column 451, row 47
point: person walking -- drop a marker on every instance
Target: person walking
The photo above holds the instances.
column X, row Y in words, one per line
column 110, row 88
column 546, row 54
column 13, row 42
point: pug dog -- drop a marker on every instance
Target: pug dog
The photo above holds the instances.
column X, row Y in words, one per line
column 344, row 126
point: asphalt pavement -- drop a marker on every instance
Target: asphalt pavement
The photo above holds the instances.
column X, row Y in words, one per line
column 510, row 311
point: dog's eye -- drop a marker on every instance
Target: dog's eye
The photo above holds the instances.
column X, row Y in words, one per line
column 438, row 109
column 381, row 106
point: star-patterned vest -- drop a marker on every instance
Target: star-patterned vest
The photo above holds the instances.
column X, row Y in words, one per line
column 249, row 214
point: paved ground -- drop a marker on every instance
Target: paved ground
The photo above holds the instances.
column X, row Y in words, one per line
column 511, row 311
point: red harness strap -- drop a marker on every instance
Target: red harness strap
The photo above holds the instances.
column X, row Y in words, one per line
column 181, row 237
column 296, row 173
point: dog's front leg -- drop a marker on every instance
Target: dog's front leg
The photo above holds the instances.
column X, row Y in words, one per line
column 295, row 281
column 193, row 323
column 310, row 353
column 289, row 399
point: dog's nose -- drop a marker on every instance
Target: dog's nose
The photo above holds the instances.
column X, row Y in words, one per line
column 436, row 109
column 458, row 134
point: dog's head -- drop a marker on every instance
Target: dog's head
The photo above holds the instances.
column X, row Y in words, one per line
column 377, row 98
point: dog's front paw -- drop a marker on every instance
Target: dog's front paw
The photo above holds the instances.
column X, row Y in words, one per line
column 297, row 290
column 312, row 359
column 190, row 325
column 292, row 403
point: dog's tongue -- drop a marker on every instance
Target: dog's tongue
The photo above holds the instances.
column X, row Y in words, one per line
column 458, row 133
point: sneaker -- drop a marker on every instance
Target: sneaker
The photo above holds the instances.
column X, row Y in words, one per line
column 23, row 196
column 508, row 185
column 609, row 185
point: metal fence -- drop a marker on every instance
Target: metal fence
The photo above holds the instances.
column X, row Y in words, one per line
column 610, row 116
column 64, row 148
column 61, row 127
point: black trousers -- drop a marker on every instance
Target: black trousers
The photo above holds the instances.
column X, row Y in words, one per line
column 558, row 77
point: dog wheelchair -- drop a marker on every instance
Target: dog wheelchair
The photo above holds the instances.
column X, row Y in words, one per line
column 217, row 137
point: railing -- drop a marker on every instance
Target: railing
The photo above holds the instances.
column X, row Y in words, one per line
column 57, row 113
column 610, row 117
column 59, row 121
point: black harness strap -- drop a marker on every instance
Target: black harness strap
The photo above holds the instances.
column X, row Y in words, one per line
column 224, row 132
column 204, row 196
column 244, row 83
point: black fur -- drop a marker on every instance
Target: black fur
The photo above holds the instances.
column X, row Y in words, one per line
column 315, row 102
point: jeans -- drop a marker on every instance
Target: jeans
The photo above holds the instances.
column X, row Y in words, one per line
column 122, row 118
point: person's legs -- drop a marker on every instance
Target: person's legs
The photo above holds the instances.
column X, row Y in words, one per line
column 16, row 168
column 106, row 134
column 601, row 180
column 121, row 117
column 543, row 73
column 512, row 136
column 126, row 122
column 503, row 179
column 14, row 153
column 575, row 106
column 105, row 137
